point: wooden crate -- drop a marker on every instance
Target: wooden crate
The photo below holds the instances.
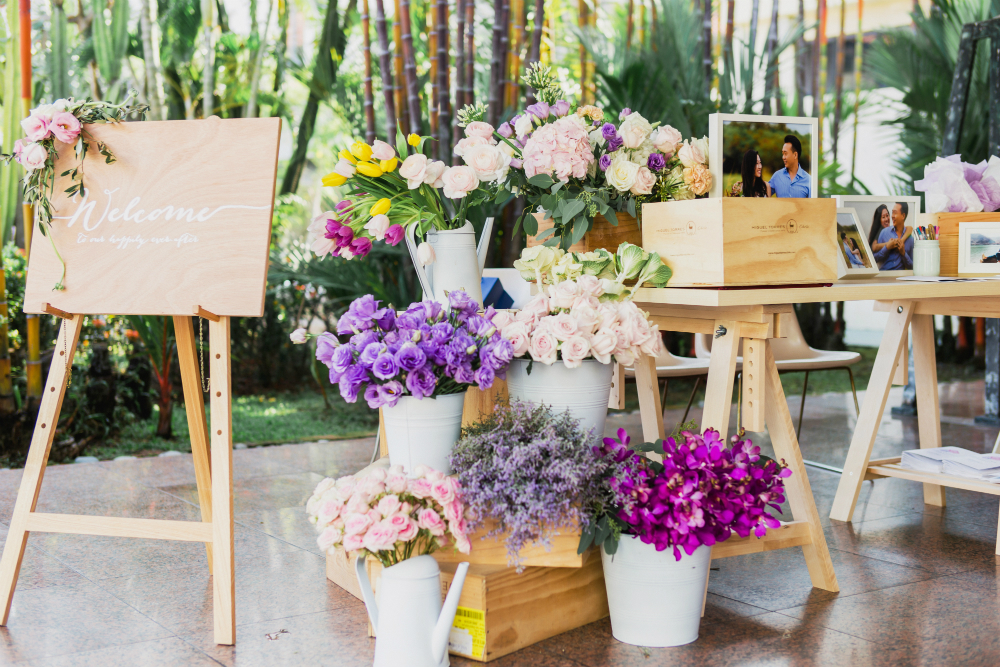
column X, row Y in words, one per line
column 948, row 236
column 501, row 611
column 734, row 241
column 602, row 235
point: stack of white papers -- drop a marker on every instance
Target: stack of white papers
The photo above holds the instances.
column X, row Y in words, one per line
column 932, row 460
column 977, row 466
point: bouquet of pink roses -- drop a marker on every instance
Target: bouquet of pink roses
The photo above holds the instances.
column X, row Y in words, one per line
column 389, row 515
column 568, row 321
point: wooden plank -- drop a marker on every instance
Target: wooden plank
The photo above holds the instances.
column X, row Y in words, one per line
column 868, row 421
column 958, row 306
column 616, row 400
column 648, row 388
column 791, row 534
column 684, row 324
column 797, row 488
column 383, row 442
column 721, row 375
column 901, row 374
column 479, row 403
column 340, row 570
column 194, row 409
column 153, row 529
column 885, row 461
column 936, row 479
column 562, row 551
column 750, row 313
column 38, row 456
column 928, row 408
column 223, row 577
column 752, row 409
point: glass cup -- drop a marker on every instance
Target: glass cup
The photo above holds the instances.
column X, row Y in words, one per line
column 926, row 258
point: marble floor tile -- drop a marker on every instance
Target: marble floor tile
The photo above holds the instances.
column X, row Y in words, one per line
column 250, row 496
column 40, row 570
column 289, row 525
column 170, row 652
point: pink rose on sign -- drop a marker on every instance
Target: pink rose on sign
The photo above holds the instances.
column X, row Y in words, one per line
column 443, row 491
column 543, row 347
column 328, row 538
column 35, row 127
column 355, row 524
column 479, row 128
column 33, row 156
column 517, row 334
column 431, row 521
column 410, row 532
column 381, row 537
column 459, row 181
column 65, row 126
column 353, row 542
column 563, row 326
column 382, row 151
column 389, row 505
column 574, row 351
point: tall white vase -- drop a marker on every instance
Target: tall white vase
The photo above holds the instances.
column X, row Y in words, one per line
column 458, row 264
column 423, row 430
column 654, row 599
column 584, row 391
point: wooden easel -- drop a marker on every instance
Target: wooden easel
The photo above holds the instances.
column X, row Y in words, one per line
column 214, row 490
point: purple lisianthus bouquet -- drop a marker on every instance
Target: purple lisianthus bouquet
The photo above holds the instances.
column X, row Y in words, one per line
column 700, row 494
column 423, row 352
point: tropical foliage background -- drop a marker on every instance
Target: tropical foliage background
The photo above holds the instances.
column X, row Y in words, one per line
column 335, row 70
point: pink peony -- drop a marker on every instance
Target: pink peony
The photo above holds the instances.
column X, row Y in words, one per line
column 381, row 537
column 65, row 126
column 430, row 521
column 459, row 181
column 479, row 129
column 561, row 149
column 382, row 150
column 574, row 351
column 389, row 505
column 355, row 524
column 543, row 347
column 36, row 127
column 33, row 156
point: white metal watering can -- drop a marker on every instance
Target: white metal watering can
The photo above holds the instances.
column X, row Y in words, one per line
column 459, row 263
column 411, row 626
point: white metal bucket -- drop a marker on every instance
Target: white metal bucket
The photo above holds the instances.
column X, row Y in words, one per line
column 423, row 430
column 584, row 391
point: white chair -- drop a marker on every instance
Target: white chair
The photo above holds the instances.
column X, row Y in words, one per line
column 670, row 366
column 792, row 355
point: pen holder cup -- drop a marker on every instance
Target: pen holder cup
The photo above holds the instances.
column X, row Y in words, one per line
column 926, row 258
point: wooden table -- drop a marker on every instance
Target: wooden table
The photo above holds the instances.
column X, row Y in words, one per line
column 751, row 316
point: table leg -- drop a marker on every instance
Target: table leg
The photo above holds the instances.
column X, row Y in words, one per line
column 868, row 422
column 721, row 371
column 38, row 456
column 928, row 407
column 650, row 410
column 797, row 487
column 223, row 578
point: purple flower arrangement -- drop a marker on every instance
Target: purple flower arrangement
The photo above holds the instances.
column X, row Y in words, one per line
column 425, row 351
column 700, row 494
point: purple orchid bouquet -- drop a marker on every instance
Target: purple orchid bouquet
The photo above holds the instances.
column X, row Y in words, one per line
column 424, row 352
column 700, row 494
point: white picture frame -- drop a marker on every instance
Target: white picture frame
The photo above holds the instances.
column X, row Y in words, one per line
column 717, row 126
column 967, row 232
column 849, row 231
column 866, row 205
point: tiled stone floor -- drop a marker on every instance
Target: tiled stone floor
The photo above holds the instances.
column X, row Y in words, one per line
column 918, row 583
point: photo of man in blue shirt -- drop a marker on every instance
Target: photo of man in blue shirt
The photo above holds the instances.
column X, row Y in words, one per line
column 792, row 181
column 897, row 253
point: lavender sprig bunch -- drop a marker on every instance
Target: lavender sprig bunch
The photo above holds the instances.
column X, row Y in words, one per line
column 524, row 468
column 423, row 352
column 700, row 494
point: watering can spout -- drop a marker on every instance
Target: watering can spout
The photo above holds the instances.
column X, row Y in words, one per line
column 366, row 591
column 439, row 639
column 484, row 244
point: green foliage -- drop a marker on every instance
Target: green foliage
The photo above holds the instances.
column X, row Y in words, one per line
column 57, row 58
column 110, row 37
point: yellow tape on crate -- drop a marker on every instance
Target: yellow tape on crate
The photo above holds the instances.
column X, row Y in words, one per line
column 468, row 633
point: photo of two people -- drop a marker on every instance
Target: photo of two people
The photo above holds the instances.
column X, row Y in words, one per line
column 888, row 224
column 766, row 159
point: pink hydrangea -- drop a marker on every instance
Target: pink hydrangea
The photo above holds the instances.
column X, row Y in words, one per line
column 560, row 149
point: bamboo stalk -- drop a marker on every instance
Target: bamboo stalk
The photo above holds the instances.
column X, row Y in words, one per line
column 432, row 46
column 367, row 52
column 470, row 49
column 385, row 65
column 652, row 25
column 800, row 64
column 399, row 94
column 839, row 83
column 629, row 24
column 582, row 20
column 706, row 28
column 591, row 65
column 516, row 34
column 727, row 49
column 754, row 19
column 642, row 23
column 459, row 64
column 444, row 96
column 410, row 68
column 505, row 55
column 859, row 50
column 821, row 91
column 33, row 366
column 772, row 42
column 496, row 66
column 538, row 24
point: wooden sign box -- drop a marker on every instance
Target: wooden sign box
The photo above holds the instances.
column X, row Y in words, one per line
column 734, row 241
column 501, row 611
column 602, row 235
column 948, row 236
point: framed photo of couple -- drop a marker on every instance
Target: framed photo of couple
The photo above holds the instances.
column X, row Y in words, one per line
column 888, row 224
column 855, row 259
column 762, row 156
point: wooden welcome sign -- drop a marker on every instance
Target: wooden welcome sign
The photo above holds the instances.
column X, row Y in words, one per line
column 179, row 225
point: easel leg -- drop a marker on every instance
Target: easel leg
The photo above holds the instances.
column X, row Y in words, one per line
column 650, row 410
column 223, row 581
column 194, row 407
column 38, row 456
column 797, row 487
column 871, row 411
column 928, row 407
column 719, row 387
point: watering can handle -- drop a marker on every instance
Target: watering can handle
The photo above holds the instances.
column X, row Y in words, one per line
column 366, row 590
column 422, row 277
column 484, row 243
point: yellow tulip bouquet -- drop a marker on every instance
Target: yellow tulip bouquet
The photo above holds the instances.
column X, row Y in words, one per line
column 386, row 193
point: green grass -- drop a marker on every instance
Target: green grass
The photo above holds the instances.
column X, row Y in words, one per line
column 257, row 420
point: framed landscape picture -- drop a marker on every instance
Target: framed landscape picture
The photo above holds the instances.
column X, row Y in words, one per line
column 979, row 248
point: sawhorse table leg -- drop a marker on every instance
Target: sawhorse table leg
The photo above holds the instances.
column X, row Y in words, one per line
column 223, row 579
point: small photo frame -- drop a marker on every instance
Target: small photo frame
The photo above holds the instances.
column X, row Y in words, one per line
column 760, row 152
column 855, row 258
column 979, row 248
column 876, row 214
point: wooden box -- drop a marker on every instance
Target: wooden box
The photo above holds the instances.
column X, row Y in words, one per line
column 948, row 236
column 501, row 611
column 602, row 235
column 744, row 241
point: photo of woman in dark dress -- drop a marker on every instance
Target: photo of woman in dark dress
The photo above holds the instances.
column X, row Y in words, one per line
column 752, row 185
column 880, row 221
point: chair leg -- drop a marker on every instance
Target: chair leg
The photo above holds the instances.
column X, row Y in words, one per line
column 854, row 391
column 663, row 394
column 694, row 392
column 802, row 406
